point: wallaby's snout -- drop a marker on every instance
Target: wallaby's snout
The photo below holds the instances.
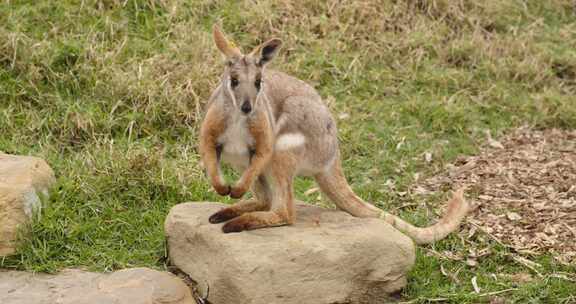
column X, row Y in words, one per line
column 246, row 107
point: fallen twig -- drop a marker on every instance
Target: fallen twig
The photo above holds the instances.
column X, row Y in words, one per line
column 527, row 263
column 492, row 293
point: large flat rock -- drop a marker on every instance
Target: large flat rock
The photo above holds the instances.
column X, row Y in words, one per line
column 328, row 256
column 130, row 286
column 23, row 179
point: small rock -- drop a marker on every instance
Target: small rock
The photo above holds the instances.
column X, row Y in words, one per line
column 129, row 286
column 471, row 262
column 327, row 256
column 485, row 197
column 343, row 116
column 428, row 157
column 492, row 142
column 513, row 216
column 23, row 180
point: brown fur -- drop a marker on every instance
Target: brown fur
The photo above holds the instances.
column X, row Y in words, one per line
column 212, row 128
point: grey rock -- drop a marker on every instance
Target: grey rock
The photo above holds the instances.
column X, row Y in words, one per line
column 327, row 256
column 130, row 286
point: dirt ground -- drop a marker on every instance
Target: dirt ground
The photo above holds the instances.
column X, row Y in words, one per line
column 523, row 188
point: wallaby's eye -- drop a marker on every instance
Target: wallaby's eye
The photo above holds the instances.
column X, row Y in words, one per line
column 234, row 81
column 258, row 83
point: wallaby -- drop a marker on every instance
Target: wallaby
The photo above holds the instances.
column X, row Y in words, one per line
column 273, row 127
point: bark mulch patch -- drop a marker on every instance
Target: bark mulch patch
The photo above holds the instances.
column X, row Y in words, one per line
column 523, row 189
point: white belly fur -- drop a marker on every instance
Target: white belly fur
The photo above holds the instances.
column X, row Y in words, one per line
column 236, row 142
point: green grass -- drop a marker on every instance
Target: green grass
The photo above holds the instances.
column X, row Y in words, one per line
column 111, row 93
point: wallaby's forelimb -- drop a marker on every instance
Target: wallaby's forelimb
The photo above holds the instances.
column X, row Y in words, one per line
column 259, row 128
column 213, row 126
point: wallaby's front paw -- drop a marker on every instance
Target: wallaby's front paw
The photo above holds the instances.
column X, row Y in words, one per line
column 237, row 192
column 222, row 189
column 222, row 216
column 237, row 225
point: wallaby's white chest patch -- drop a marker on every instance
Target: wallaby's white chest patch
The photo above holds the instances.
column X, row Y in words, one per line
column 289, row 141
column 236, row 142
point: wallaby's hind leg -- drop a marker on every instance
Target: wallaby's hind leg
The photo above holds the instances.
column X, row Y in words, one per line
column 261, row 202
column 279, row 174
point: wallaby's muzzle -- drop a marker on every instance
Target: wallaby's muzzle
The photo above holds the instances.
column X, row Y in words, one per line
column 246, row 107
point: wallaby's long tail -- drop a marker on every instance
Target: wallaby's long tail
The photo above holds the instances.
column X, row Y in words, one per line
column 334, row 185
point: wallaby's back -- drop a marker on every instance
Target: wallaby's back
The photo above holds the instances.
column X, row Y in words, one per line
column 298, row 110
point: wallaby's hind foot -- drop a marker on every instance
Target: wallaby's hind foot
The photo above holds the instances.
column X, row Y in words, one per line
column 222, row 216
column 237, row 210
column 255, row 220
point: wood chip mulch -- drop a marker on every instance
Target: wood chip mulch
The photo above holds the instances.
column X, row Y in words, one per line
column 524, row 190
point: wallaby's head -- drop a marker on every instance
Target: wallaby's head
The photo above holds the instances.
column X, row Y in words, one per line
column 242, row 77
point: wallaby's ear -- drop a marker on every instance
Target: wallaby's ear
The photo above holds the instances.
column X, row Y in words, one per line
column 266, row 51
column 227, row 48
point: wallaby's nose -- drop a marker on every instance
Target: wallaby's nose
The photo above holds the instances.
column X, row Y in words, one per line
column 246, row 107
